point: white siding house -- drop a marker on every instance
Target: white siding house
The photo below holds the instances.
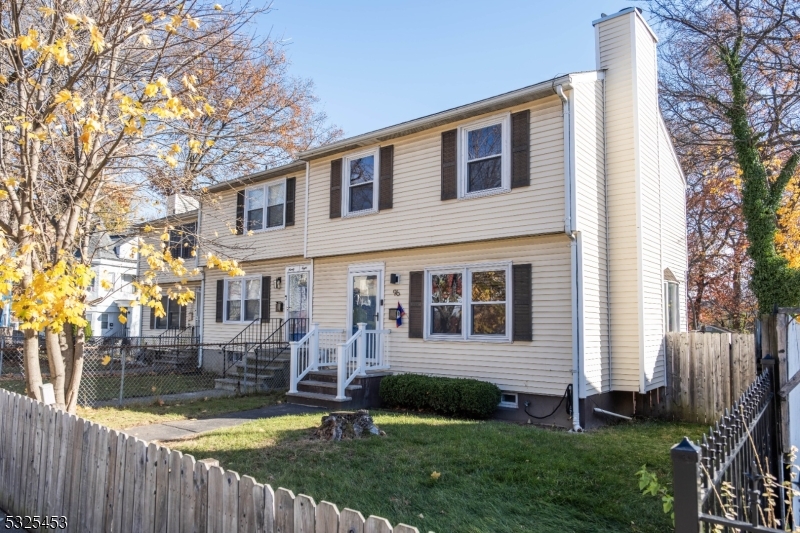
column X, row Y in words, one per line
column 535, row 239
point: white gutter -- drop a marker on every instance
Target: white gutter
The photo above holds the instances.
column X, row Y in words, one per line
column 199, row 314
column 574, row 236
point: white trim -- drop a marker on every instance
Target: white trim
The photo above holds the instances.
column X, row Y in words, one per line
column 504, row 120
column 638, row 195
column 512, row 405
column 264, row 187
column 376, row 268
column 375, row 153
column 294, row 270
column 466, row 302
column 305, row 211
column 243, row 279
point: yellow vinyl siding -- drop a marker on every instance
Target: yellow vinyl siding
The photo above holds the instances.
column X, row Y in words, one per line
column 220, row 332
column 543, row 366
column 615, row 56
column 419, row 216
column 591, row 223
column 219, row 225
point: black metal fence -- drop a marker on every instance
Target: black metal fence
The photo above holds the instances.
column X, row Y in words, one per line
column 732, row 479
column 119, row 369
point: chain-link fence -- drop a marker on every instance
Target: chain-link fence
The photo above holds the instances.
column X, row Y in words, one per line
column 116, row 369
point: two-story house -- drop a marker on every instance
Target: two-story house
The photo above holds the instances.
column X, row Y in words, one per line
column 535, row 239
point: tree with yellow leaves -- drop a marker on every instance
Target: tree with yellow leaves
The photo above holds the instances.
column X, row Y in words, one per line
column 87, row 89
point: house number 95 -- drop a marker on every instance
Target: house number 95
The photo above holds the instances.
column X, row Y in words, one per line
column 396, row 292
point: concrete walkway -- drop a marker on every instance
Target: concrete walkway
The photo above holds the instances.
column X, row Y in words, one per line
column 181, row 429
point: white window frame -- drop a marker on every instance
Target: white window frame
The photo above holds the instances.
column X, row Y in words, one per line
column 265, row 190
column 677, row 317
column 104, row 316
column 244, row 281
column 505, row 155
column 466, row 302
column 503, row 403
column 127, row 286
column 375, row 152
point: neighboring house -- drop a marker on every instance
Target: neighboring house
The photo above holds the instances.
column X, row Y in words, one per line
column 114, row 265
column 182, row 213
column 535, row 240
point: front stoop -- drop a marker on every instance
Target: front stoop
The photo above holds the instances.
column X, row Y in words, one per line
column 319, row 389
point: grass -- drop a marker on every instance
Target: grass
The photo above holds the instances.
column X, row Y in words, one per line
column 138, row 415
column 494, row 476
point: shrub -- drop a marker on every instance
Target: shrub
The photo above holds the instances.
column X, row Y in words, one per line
column 467, row 398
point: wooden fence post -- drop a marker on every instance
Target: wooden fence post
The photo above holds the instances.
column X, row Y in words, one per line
column 327, row 518
column 686, row 486
column 351, row 521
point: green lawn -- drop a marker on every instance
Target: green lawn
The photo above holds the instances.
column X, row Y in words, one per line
column 137, row 415
column 494, row 476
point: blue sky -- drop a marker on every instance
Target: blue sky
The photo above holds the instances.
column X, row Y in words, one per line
column 376, row 63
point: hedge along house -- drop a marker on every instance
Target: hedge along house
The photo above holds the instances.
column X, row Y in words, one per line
column 535, row 240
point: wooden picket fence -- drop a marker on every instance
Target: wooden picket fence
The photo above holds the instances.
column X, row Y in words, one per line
column 706, row 372
column 53, row 464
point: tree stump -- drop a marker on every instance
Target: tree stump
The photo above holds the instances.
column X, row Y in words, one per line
column 340, row 425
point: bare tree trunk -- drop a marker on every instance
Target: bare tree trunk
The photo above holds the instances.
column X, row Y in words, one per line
column 33, row 374
column 56, row 363
column 67, row 347
column 77, row 372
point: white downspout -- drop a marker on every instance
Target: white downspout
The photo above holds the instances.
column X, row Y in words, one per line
column 570, row 230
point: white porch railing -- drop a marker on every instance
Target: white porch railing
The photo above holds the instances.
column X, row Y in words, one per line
column 319, row 348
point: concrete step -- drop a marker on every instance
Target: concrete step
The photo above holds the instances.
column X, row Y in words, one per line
column 325, row 387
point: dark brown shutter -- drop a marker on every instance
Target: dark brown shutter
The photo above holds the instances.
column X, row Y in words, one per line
column 291, row 185
column 219, row 302
column 385, row 198
column 239, row 212
column 521, row 149
column 336, row 188
column 152, row 318
column 165, row 301
column 523, row 303
column 265, row 287
column 182, row 319
column 416, row 311
column 449, row 165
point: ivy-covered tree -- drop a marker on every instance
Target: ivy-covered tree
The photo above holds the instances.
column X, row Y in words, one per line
column 730, row 73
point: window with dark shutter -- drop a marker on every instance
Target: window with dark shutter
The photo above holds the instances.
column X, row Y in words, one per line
column 240, row 213
column 291, row 185
column 523, row 303
column 385, row 199
column 449, row 165
column 219, row 300
column 416, row 310
column 265, row 287
column 152, row 318
column 336, row 189
column 521, row 149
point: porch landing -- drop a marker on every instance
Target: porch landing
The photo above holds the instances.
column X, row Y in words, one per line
column 318, row 389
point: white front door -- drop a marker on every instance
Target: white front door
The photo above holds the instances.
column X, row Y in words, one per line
column 298, row 283
column 365, row 299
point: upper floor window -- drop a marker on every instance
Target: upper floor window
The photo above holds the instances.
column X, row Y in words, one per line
column 265, row 207
column 127, row 283
column 182, row 240
column 360, row 184
column 471, row 303
column 485, row 154
column 242, row 299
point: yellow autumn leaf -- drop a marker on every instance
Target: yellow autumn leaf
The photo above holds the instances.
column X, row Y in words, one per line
column 151, row 89
column 72, row 19
column 218, row 7
column 62, row 96
column 435, row 475
column 28, row 41
column 105, row 360
column 175, row 148
column 148, row 18
column 3, row 79
column 105, row 284
column 122, row 319
column 97, row 39
column 47, row 11
column 208, row 108
column 192, row 23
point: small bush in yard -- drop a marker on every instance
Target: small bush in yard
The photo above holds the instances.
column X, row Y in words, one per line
column 467, row 398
